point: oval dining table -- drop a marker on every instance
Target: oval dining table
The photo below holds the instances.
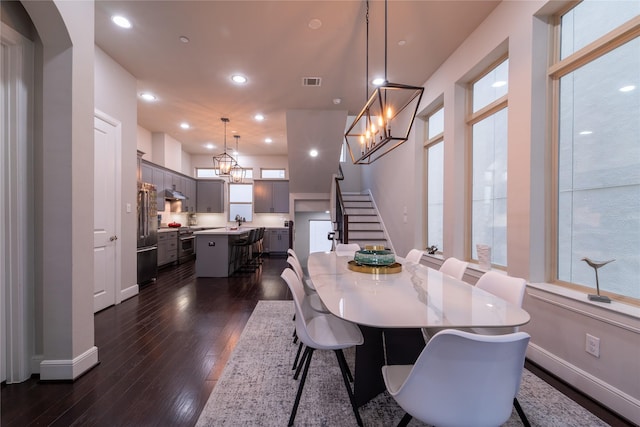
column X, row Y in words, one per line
column 391, row 309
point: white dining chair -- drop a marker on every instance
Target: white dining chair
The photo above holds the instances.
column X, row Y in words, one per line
column 321, row 332
column 414, row 255
column 510, row 289
column 461, row 379
column 297, row 266
column 347, row 249
column 454, row 267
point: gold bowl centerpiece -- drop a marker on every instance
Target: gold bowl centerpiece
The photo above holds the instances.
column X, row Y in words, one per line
column 374, row 256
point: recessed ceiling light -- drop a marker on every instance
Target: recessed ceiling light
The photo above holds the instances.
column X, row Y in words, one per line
column 337, row 101
column 627, row 88
column 315, row 23
column 184, row 125
column 259, row 117
column 313, row 153
column 121, row 21
column 240, row 79
column 148, row 96
column 210, row 146
column 184, row 39
column 499, row 83
column 378, row 81
column 586, row 132
column 268, row 140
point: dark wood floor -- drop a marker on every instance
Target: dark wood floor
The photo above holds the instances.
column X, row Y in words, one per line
column 161, row 353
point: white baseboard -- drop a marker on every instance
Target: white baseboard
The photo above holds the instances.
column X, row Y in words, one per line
column 51, row 370
column 609, row 396
column 129, row 292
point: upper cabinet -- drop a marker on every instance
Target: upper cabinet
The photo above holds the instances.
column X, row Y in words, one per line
column 210, row 196
column 164, row 179
column 270, row 196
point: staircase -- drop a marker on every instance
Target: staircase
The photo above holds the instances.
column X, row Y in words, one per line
column 364, row 225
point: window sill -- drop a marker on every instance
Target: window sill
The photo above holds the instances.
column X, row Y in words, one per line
column 556, row 292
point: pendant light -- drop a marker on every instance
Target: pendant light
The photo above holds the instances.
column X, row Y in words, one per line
column 223, row 163
column 388, row 115
column 237, row 172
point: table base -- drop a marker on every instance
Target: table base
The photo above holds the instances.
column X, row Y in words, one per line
column 402, row 347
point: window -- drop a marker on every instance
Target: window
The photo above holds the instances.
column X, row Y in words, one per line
column 206, row 173
column 240, row 201
column 434, row 161
column 597, row 148
column 488, row 122
column 212, row 173
column 272, row 173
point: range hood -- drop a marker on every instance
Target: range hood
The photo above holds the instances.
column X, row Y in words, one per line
column 174, row 195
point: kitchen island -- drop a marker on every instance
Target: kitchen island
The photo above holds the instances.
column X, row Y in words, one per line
column 214, row 249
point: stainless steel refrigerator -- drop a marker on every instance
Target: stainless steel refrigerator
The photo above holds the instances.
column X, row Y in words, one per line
column 147, row 233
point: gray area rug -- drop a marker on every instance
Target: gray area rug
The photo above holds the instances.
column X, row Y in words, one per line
column 257, row 386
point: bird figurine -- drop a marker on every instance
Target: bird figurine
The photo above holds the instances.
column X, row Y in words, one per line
column 596, row 265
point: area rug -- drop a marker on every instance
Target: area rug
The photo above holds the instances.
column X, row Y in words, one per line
column 257, row 387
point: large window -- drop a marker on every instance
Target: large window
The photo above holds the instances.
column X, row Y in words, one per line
column 488, row 120
column 598, row 147
column 241, row 201
column 434, row 161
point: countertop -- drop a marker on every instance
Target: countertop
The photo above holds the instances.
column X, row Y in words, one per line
column 224, row 231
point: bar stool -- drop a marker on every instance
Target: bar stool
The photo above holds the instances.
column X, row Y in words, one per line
column 240, row 250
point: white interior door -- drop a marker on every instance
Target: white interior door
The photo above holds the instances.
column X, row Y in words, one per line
column 105, row 238
column 318, row 230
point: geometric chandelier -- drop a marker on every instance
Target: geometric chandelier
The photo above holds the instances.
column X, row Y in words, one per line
column 222, row 163
column 237, row 172
column 386, row 119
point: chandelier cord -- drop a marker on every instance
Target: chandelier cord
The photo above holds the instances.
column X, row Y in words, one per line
column 385, row 41
column 367, row 56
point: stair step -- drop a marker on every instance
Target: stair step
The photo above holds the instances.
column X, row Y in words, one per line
column 350, row 204
column 363, row 218
column 366, row 234
column 364, row 242
column 364, row 226
column 361, row 211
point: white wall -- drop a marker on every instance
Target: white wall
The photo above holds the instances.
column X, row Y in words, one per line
column 115, row 95
column 560, row 318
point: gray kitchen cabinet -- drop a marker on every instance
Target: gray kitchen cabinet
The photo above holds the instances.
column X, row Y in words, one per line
column 158, row 181
column 189, row 190
column 167, row 247
column 276, row 240
column 210, row 196
column 270, row 196
column 146, row 173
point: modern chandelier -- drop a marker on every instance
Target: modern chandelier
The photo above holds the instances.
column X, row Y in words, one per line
column 222, row 163
column 237, row 172
column 388, row 115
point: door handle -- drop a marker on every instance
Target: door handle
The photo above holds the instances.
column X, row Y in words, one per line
column 112, row 238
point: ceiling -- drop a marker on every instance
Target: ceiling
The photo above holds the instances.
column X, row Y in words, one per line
column 273, row 44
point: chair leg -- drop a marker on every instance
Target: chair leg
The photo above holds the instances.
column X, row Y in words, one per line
column 344, row 361
column 521, row 413
column 295, row 362
column 405, row 420
column 301, row 362
column 308, row 352
column 344, row 368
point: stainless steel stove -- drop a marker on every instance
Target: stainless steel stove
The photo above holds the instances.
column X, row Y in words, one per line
column 186, row 244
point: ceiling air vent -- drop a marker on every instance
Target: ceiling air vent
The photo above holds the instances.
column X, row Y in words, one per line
column 311, row 81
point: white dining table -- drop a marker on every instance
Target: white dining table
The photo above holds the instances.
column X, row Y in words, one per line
column 416, row 297
column 390, row 309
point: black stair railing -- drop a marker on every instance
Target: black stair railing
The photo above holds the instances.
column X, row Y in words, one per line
column 342, row 218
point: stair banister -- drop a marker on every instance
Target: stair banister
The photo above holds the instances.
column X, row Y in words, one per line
column 341, row 218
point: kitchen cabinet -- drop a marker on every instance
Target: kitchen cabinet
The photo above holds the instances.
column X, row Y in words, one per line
column 167, row 247
column 146, row 173
column 158, row 181
column 276, row 240
column 210, row 196
column 271, row 196
column 189, row 190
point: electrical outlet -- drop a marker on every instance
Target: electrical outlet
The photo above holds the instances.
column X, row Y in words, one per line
column 593, row 345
